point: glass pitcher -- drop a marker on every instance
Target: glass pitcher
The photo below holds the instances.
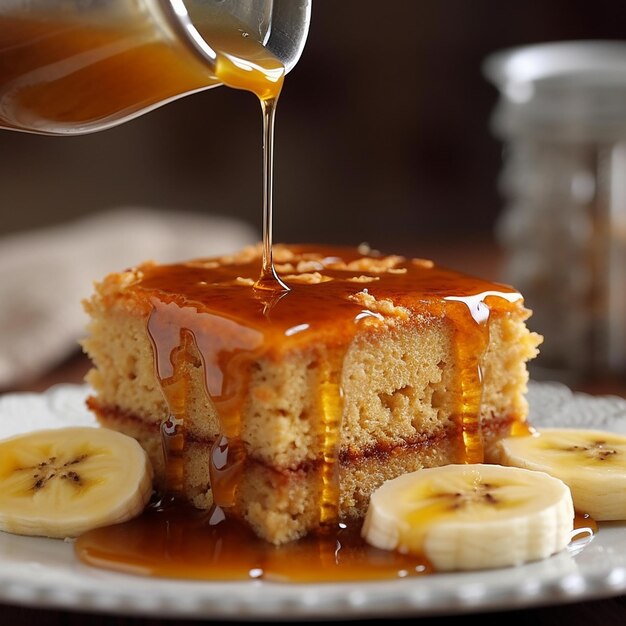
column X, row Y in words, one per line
column 80, row 66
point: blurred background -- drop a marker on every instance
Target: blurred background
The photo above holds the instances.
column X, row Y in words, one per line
column 383, row 136
column 382, row 132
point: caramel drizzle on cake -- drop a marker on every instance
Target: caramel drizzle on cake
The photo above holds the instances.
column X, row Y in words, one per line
column 209, row 310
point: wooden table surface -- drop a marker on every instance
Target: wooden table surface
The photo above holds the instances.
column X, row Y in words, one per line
column 608, row 612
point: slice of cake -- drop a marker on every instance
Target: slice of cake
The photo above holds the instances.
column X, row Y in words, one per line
column 288, row 409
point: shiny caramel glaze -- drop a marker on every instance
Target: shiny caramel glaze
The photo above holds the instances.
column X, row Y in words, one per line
column 177, row 541
column 324, row 306
column 333, row 291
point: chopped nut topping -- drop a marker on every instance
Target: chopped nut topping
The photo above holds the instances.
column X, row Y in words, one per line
column 130, row 277
column 369, row 318
column 384, row 306
column 427, row 263
column 307, row 263
column 114, row 283
column 363, row 279
column 313, row 278
column 282, row 254
column 245, row 255
column 309, row 266
column 369, row 264
column 397, row 270
column 246, row 282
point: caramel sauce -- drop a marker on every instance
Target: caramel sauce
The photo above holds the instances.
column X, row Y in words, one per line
column 268, row 278
column 181, row 542
column 522, row 429
column 470, row 346
column 175, row 388
column 585, row 525
column 331, row 401
column 76, row 76
column 175, row 540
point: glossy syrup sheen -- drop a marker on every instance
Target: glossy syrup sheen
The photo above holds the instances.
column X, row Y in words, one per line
column 74, row 76
column 223, row 288
column 177, row 541
column 212, row 302
column 233, row 324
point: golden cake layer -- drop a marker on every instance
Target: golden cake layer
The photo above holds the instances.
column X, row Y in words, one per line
column 290, row 408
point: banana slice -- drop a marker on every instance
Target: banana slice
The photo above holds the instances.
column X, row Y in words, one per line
column 61, row 483
column 465, row 517
column 592, row 463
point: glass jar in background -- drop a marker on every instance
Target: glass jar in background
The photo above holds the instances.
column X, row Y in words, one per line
column 562, row 118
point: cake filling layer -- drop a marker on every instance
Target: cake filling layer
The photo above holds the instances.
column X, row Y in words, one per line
column 280, row 503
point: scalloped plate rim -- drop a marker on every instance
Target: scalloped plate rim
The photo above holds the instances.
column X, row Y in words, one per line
column 40, row 573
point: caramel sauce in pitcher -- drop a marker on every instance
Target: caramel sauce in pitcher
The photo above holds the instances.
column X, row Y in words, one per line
column 77, row 76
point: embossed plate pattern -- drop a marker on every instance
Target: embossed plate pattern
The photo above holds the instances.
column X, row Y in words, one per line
column 43, row 572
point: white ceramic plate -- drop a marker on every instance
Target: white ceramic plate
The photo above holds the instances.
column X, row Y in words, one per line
column 43, row 572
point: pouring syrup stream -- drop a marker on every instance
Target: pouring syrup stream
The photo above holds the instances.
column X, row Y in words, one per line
column 269, row 279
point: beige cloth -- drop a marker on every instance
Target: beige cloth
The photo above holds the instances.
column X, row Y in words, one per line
column 45, row 274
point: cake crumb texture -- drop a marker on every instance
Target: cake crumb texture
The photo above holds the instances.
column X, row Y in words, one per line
column 398, row 375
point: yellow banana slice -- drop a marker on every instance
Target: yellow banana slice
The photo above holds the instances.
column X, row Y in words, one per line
column 465, row 517
column 61, row 483
column 592, row 463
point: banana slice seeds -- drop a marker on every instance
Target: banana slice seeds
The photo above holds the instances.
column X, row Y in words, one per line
column 466, row 517
column 591, row 462
column 63, row 482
